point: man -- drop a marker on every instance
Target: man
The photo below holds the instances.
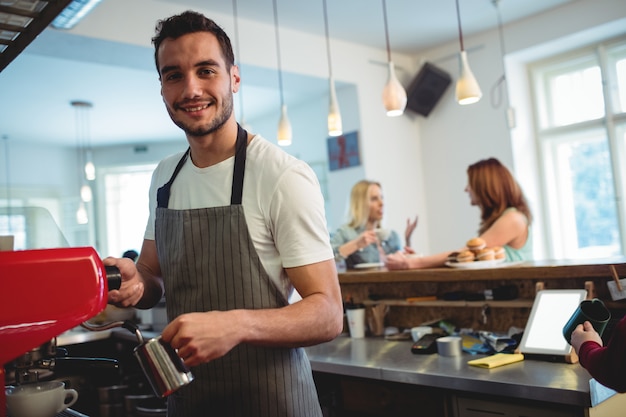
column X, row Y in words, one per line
column 236, row 225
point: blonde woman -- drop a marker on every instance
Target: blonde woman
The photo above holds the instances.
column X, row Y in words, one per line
column 362, row 240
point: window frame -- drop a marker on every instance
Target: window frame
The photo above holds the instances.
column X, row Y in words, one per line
column 548, row 137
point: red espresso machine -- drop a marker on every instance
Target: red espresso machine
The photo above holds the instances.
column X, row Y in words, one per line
column 45, row 292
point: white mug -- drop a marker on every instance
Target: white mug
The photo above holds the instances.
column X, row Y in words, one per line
column 382, row 234
column 41, row 399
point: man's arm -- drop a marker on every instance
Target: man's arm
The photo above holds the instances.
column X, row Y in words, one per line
column 318, row 317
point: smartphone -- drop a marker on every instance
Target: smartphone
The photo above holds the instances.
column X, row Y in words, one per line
column 426, row 344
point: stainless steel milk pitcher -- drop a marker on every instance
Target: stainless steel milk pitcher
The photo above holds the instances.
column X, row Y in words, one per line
column 162, row 366
column 159, row 361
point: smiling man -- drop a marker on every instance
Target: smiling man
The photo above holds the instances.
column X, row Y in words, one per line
column 236, row 226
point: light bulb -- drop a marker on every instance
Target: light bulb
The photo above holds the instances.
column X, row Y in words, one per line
column 394, row 95
column 81, row 214
column 334, row 116
column 90, row 171
column 85, row 193
column 467, row 88
column 284, row 128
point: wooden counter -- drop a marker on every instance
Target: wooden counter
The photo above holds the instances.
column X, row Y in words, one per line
column 537, row 270
column 446, row 287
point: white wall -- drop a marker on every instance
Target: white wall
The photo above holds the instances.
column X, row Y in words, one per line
column 455, row 136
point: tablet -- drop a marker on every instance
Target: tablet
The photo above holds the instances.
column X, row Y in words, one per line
column 551, row 310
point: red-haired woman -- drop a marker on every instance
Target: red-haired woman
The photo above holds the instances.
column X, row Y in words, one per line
column 505, row 216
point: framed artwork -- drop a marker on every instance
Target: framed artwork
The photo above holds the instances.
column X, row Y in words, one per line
column 343, row 151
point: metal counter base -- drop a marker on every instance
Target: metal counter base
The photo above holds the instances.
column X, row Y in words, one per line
column 392, row 361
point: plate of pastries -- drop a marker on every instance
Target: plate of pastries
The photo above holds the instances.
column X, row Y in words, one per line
column 477, row 255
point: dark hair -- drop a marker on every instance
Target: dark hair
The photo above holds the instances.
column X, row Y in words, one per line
column 496, row 190
column 191, row 22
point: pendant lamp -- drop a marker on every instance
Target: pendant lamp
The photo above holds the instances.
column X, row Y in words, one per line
column 90, row 168
column 467, row 88
column 284, row 126
column 334, row 115
column 82, row 109
column 86, row 168
column 394, row 95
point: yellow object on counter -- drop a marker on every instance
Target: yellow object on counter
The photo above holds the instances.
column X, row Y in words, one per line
column 496, row 360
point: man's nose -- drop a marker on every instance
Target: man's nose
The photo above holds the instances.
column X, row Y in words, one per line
column 193, row 87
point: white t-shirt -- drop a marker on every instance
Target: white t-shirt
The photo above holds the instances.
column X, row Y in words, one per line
column 282, row 203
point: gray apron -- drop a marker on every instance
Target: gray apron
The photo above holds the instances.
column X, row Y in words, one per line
column 208, row 262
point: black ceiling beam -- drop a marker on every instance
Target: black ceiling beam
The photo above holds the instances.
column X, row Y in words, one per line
column 26, row 35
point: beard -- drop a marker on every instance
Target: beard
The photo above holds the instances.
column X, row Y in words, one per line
column 214, row 125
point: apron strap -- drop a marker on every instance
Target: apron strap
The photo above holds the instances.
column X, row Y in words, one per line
column 240, row 165
column 163, row 193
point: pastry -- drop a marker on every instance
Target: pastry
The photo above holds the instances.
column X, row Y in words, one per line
column 465, row 256
column 498, row 252
column 475, row 244
column 452, row 256
column 486, row 254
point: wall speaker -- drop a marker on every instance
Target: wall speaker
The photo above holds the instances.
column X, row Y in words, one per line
column 427, row 88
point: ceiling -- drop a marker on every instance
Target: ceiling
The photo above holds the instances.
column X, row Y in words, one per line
column 119, row 79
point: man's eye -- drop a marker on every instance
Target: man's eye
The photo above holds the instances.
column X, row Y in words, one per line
column 206, row 71
column 172, row 76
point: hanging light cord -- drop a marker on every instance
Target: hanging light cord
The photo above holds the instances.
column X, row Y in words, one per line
column 330, row 66
column 280, row 72
column 80, row 139
column 386, row 31
column 83, row 141
column 458, row 18
column 497, row 91
column 238, row 56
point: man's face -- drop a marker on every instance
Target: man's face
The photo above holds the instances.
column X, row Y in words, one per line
column 196, row 86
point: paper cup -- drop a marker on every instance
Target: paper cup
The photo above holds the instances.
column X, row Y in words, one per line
column 356, row 322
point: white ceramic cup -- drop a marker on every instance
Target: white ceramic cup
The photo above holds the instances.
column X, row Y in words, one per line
column 419, row 331
column 356, row 322
column 41, row 399
column 382, row 234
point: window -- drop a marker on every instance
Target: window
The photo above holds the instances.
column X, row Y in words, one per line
column 14, row 224
column 126, row 207
column 580, row 100
column 31, row 222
